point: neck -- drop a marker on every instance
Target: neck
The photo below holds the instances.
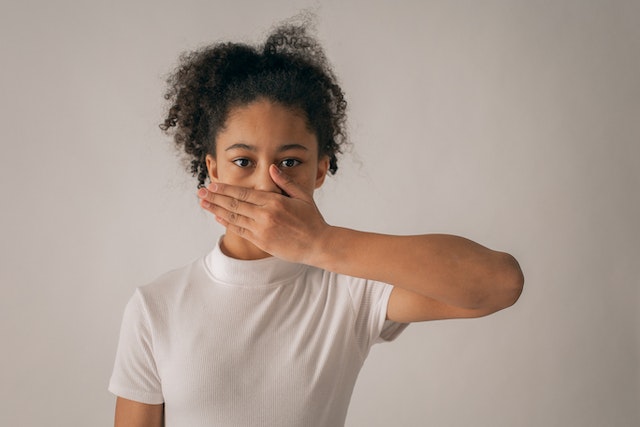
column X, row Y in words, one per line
column 237, row 247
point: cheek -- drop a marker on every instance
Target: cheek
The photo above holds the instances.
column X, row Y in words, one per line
column 306, row 180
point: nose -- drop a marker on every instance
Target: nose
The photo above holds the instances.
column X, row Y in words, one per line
column 263, row 180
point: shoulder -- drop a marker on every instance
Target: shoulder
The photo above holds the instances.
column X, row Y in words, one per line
column 170, row 285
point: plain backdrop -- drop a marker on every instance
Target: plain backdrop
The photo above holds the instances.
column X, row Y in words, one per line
column 513, row 123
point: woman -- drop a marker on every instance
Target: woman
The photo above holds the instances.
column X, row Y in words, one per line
column 271, row 328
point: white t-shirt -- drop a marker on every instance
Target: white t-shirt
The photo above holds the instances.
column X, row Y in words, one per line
column 225, row 342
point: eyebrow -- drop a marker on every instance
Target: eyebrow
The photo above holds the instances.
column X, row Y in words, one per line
column 285, row 147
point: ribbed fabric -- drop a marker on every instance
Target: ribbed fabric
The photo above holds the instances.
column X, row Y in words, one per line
column 225, row 342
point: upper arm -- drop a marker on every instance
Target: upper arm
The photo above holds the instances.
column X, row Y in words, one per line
column 130, row 413
column 406, row 307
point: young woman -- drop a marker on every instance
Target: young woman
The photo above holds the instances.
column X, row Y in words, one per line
column 272, row 326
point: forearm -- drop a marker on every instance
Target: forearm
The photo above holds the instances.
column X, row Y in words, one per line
column 447, row 268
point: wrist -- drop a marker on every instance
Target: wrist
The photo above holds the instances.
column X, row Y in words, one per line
column 328, row 251
column 321, row 248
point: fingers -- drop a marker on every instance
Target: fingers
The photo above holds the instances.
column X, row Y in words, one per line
column 232, row 221
column 241, row 194
column 233, row 214
column 227, row 208
column 249, row 212
column 235, row 228
column 231, row 198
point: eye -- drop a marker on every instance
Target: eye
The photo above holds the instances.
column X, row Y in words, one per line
column 289, row 163
column 242, row 162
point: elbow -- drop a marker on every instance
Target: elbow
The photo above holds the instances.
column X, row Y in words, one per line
column 503, row 284
column 511, row 280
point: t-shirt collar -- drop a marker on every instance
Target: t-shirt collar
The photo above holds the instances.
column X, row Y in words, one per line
column 252, row 273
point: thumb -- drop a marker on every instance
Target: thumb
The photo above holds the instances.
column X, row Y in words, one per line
column 286, row 184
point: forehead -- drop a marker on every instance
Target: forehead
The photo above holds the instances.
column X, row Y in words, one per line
column 266, row 123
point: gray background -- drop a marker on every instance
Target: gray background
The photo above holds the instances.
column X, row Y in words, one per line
column 514, row 123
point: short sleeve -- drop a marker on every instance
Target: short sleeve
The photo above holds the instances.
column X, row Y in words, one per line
column 371, row 300
column 135, row 375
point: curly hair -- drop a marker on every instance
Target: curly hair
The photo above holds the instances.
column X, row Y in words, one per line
column 290, row 68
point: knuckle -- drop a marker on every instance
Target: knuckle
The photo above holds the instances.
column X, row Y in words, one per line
column 244, row 194
column 271, row 219
column 278, row 207
column 233, row 217
column 275, row 205
column 233, row 205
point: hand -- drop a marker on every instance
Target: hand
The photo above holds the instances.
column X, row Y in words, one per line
column 286, row 227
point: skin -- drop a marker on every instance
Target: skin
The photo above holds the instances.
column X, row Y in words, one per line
column 435, row 276
column 259, row 140
column 263, row 175
column 135, row 414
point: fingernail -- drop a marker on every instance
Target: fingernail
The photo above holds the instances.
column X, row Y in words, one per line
column 202, row 192
column 214, row 187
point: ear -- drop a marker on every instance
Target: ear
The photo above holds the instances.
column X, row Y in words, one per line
column 323, row 167
column 212, row 168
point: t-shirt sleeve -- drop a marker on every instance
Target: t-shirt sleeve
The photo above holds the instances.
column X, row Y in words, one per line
column 371, row 300
column 135, row 376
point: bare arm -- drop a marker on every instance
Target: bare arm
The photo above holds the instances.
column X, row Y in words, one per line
column 436, row 275
column 439, row 276
column 135, row 414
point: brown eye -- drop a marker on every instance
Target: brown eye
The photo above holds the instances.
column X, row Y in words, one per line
column 242, row 162
column 289, row 163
